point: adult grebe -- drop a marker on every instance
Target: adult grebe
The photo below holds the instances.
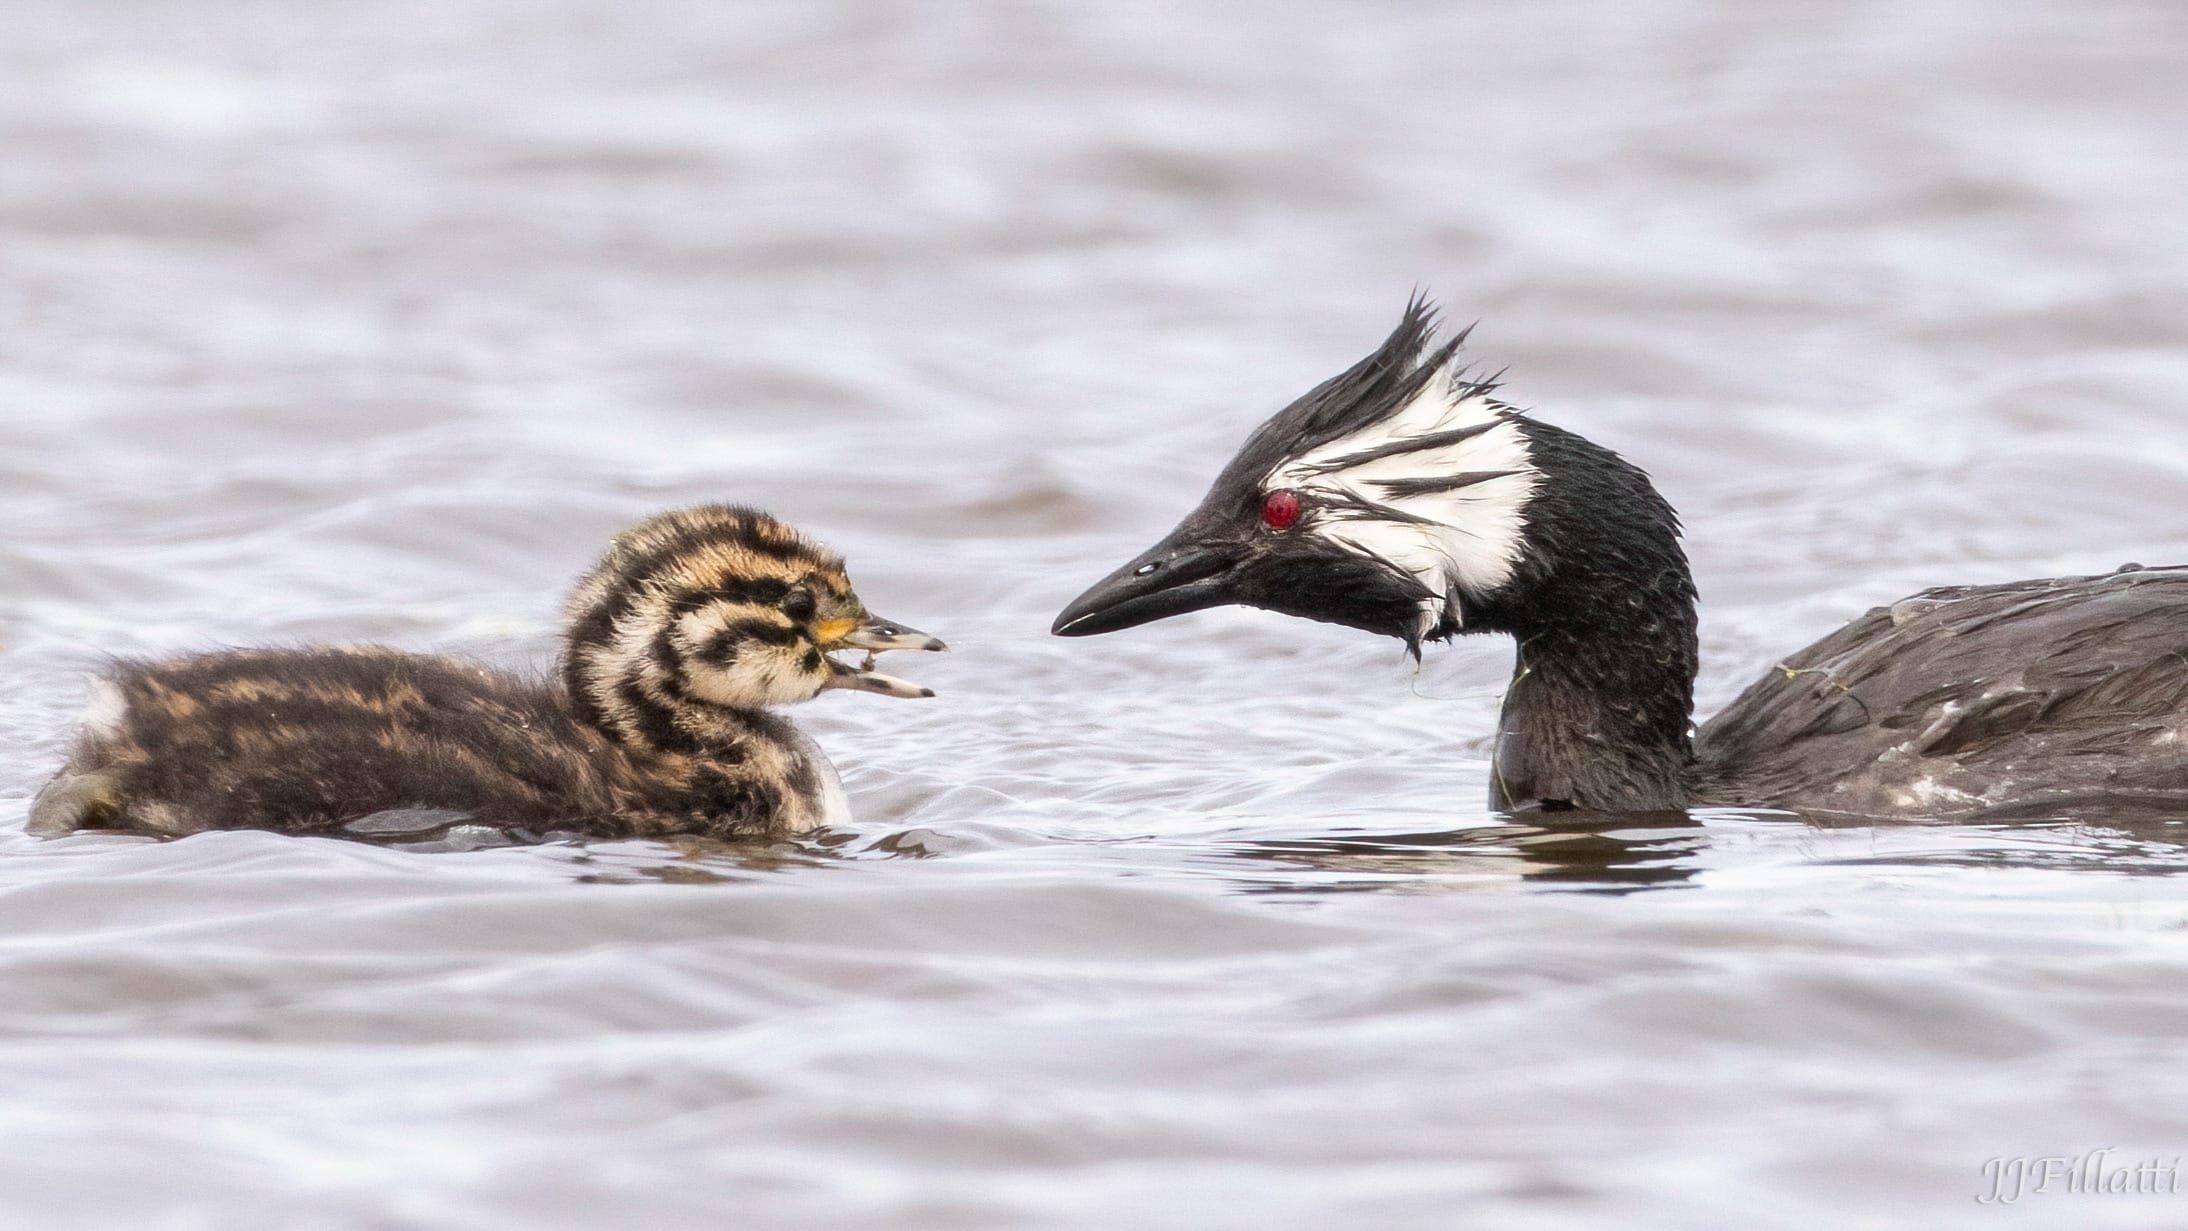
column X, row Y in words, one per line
column 1401, row 497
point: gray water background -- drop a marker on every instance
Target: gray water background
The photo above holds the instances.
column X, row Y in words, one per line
column 372, row 322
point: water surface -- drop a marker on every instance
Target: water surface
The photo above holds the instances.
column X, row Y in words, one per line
column 372, row 322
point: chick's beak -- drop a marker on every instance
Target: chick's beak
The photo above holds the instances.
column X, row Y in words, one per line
column 1184, row 572
column 874, row 635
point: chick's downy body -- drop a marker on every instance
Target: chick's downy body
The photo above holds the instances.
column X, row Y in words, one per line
column 675, row 646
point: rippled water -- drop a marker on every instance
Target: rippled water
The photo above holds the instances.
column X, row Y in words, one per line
column 370, row 322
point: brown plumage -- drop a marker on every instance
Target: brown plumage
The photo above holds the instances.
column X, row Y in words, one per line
column 675, row 646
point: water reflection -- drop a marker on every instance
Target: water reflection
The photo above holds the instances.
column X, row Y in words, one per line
column 2122, row 843
column 1626, row 853
column 1577, row 851
column 703, row 861
column 1584, row 851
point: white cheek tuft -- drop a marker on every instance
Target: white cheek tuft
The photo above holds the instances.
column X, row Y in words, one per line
column 1467, row 538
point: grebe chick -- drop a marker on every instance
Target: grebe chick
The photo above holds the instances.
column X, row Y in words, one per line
column 1402, row 498
column 676, row 645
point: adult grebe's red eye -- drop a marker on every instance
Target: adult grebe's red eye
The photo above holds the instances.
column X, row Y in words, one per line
column 1280, row 509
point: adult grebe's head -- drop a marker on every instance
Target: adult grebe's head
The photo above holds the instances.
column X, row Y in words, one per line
column 1392, row 498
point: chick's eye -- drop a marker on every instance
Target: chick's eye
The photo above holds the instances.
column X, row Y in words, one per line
column 1280, row 509
column 798, row 604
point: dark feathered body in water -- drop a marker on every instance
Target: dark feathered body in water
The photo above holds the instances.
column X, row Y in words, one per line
column 676, row 646
column 2029, row 699
column 1402, row 497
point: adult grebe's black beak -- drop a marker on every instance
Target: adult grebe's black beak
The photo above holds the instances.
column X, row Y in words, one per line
column 1186, row 571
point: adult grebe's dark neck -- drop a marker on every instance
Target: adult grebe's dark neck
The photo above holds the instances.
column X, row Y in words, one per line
column 1602, row 605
